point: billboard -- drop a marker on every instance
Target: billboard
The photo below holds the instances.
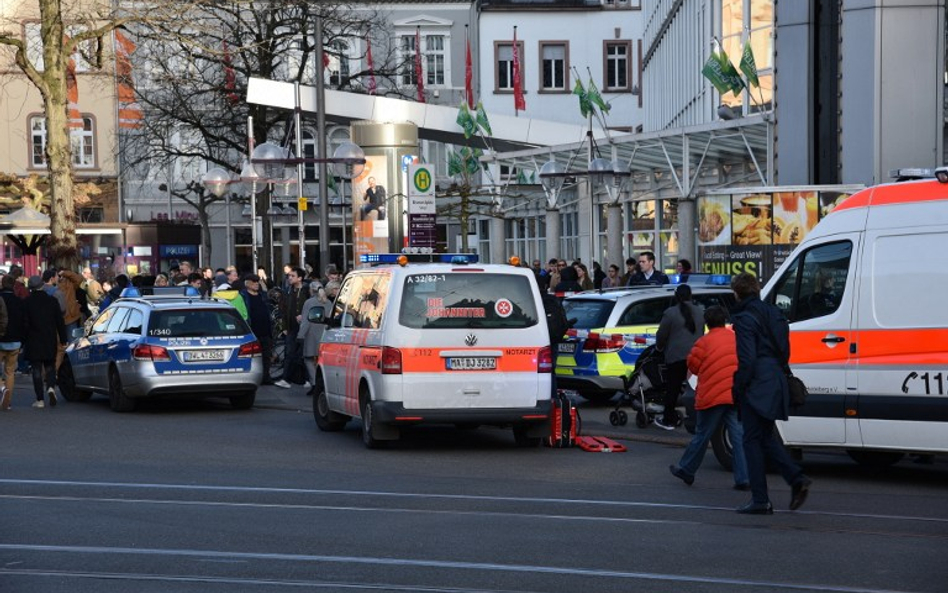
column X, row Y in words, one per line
column 370, row 198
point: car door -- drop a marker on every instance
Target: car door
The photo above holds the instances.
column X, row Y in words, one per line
column 94, row 370
column 821, row 335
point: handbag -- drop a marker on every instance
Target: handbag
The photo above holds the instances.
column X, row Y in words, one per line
column 796, row 386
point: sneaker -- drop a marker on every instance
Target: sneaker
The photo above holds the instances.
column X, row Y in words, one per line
column 4, row 398
column 307, row 386
column 282, row 384
column 660, row 422
column 39, row 404
column 51, row 394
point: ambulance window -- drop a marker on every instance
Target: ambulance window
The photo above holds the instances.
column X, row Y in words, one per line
column 814, row 284
column 373, row 293
column 345, row 301
column 467, row 300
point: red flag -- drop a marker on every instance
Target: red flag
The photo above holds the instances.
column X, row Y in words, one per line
column 129, row 111
column 520, row 104
column 326, row 59
column 368, row 56
column 72, row 95
column 468, row 74
column 230, row 77
column 418, row 70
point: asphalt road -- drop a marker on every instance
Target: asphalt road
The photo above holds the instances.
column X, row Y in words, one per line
column 199, row 497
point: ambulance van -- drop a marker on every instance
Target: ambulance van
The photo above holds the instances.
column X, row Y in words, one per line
column 866, row 294
column 455, row 343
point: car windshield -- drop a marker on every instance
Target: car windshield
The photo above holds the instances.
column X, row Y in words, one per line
column 467, row 300
column 197, row 323
column 588, row 313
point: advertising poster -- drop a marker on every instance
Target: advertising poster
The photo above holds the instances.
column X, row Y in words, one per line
column 369, row 206
column 795, row 215
column 752, row 219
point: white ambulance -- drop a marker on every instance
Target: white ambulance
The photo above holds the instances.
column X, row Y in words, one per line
column 865, row 294
column 454, row 342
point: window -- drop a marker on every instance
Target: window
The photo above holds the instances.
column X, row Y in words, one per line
column 81, row 139
column 407, row 77
column 618, row 66
column 434, row 59
column 34, row 48
column 467, row 300
column 338, row 63
column 814, row 283
column 503, row 57
column 554, row 66
column 309, row 152
column 91, row 215
column 756, row 18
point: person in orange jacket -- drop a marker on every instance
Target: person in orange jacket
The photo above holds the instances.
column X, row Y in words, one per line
column 713, row 359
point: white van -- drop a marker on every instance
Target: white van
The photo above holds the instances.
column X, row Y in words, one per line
column 865, row 294
column 434, row 343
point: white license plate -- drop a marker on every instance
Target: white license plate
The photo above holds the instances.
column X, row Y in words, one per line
column 204, row 355
column 472, row 363
column 567, row 347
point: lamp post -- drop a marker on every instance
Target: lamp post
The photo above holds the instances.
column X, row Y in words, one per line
column 216, row 181
column 253, row 185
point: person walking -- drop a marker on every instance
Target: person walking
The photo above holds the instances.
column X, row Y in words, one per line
column 258, row 316
column 762, row 395
column 681, row 326
column 311, row 333
column 45, row 332
column 292, row 315
column 11, row 320
column 713, row 359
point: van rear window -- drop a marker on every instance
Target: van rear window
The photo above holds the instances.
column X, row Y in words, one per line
column 467, row 300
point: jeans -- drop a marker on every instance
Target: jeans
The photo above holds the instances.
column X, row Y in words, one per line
column 293, row 359
column 709, row 420
column 760, row 446
column 41, row 368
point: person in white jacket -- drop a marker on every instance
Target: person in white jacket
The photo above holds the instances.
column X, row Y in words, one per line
column 310, row 333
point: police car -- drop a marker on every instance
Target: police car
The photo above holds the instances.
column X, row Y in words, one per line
column 169, row 343
column 612, row 327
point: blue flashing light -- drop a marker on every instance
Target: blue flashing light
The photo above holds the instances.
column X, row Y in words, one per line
column 442, row 258
column 130, row 293
column 191, row 291
column 694, row 279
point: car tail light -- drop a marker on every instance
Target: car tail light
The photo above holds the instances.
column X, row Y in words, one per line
column 150, row 352
column 545, row 360
column 391, row 361
column 603, row 343
column 250, row 349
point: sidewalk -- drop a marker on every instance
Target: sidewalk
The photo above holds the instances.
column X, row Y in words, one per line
column 595, row 417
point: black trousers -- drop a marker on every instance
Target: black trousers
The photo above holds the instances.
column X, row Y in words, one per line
column 43, row 369
column 675, row 374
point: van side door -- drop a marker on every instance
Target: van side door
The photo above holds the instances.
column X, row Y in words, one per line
column 817, row 292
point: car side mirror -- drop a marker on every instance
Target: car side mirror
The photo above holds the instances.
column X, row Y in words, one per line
column 76, row 333
column 317, row 314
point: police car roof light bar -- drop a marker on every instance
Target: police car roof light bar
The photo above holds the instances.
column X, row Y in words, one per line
column 436, row 258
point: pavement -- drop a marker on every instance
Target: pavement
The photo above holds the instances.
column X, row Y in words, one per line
column 594, row 417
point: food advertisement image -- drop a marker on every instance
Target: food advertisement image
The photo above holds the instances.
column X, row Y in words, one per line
column 829, row 200
column 795, row 215
column 752, row 219
column 714, row 219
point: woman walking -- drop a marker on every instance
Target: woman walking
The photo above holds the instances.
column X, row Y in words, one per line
column 682, row 324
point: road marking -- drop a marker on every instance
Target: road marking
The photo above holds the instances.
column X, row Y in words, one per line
column 436, row 496
column 440, row 564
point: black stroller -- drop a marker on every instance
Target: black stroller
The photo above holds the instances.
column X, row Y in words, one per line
column 644, row 390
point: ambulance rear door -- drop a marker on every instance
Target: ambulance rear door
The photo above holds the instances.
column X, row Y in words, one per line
column 817, row 292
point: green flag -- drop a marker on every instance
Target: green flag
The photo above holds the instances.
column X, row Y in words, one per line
column 331, row 184
column 748, row 65
column 730, row 73
column 482, row 119
column 713, row 72
column 454, row 163
column 585, row 107
column 521, row 177
column 596, row 99
column 465, row 120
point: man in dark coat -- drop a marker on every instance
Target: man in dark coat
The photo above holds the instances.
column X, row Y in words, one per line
column 261, row 324
column 761, row 394
column 44, row 331
column 647, row 273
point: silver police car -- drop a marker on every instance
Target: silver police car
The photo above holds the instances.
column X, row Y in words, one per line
column 160, row 346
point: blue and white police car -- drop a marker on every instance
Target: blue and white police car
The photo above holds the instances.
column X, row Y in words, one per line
column 169, row 343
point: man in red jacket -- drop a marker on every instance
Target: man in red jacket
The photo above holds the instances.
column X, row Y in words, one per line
column 714, row 359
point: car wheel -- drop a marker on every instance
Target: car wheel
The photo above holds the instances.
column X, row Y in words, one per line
column 67, row 384
column 244, row 401
column 874, row 458
column 326, row 419
column 723, row 449
column 117, row 398
column 369, row 424
column 527, row 442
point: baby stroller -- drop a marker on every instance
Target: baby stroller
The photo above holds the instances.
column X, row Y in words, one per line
column 644, row 390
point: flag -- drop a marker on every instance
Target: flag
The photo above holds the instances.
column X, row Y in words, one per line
column 466, row 121
column 520, row 104
column 585, row 107
column 469, row 75
column 730, row 72
column 129, row 111
column 721, row 72
column 331, row 183
column 418, row 71
column 454, row 163
column 482, row 120
column 368, row 56
column 595, row 98
column 326, row 59
column 521, row 177
column 72, row 95
column 748, row 65
column 230, row 77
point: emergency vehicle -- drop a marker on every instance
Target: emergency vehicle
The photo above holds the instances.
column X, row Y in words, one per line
column 865, row 297
column 444, row 342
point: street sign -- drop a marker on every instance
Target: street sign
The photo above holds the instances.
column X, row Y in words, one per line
column 408, row 160
column 302, row 204
column 422, row 212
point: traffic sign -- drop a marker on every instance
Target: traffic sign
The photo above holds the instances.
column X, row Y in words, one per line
column 301, row 204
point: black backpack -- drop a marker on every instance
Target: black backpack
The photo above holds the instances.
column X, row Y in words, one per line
column 556, row 320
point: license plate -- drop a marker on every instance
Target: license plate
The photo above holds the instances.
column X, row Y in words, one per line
column 472, row 363
column 567, row 347
column 204, row 356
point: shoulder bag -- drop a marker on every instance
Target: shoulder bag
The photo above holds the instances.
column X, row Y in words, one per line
column 798, row 390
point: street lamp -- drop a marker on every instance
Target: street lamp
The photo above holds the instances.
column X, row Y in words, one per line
column 216, row 181
column 253, row 184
